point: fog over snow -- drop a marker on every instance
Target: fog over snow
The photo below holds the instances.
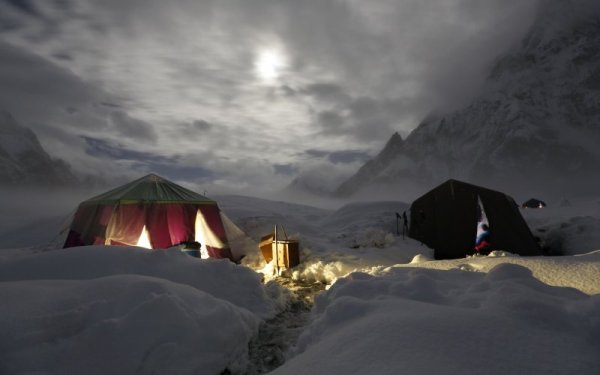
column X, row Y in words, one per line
column 238, row 96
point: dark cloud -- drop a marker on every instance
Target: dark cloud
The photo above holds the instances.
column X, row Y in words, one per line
column 348, row 156
column 339, row 157
column 133, row 128
column 362, row 118
column 107, row 149
column 25, row 6
column 201, row 125
column 29, row 81
column 328, row 92
column 331, row 121
column 146, row 162
column 316, row 153
column 288, row 91
column 285, row 169
column 110, row 105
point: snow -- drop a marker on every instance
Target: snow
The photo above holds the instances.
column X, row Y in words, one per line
column 360, row 236
column 107, row 309
column 567, row 229
column 388, row 306
column 423, row 321
column 121, row 324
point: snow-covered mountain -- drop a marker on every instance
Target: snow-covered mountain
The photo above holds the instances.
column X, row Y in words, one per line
column 23, row 161
column 534, row 126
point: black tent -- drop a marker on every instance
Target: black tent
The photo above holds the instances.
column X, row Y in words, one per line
column 534, row 203
column 446, row 219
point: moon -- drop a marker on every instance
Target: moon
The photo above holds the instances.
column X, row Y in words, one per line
column 269, row 64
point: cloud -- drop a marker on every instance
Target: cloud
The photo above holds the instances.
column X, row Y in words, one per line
column 60, row 107
column 348, row 156
column 339, row 157
column 327, row 92
column 107, row 149
column 125, row 125
column 316, row 153
column 179, row 78
column 285, row 169
column 332, row 122
column 201, row 125
column 24, row 6
column 146, row 162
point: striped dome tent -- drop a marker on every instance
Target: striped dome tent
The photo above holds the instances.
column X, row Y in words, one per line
column 151, row 212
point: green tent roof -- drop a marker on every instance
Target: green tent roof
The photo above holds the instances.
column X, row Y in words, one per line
column 150, row 188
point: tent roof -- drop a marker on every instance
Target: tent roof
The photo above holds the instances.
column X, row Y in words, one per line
column 533, row 202
column 150, row 188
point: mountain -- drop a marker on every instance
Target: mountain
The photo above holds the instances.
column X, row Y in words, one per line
column 374, row 168
column 23, row 161
column 535, row 126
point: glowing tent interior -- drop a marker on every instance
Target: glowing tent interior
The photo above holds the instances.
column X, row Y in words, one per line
column 151, row 212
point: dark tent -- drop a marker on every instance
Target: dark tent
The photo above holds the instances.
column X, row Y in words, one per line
column 151, row 212
column 534, row 203
column 446, row 219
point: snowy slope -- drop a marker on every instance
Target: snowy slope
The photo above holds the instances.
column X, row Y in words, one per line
column 357, row 237
column 533, row 127
column 24, row 161
column 121, row 310
column 390, row 309
column 422, row 321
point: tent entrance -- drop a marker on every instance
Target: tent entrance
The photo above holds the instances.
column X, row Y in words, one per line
column 144, row 239
column 207, row 238
column 481, row 216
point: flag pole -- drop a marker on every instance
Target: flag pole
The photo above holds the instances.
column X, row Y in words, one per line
column 276, row 257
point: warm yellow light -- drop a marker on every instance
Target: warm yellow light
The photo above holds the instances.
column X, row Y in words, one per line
column 199, row 234
column 144, row 240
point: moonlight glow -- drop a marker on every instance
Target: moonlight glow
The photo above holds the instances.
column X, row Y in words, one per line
column 269, row 64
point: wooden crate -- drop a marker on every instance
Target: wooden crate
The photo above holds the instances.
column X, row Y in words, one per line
column 287, row 253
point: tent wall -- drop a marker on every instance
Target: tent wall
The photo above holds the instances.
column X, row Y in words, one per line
column 89, row 225
column 168, row 211
column 445, row 219
column 509, row 230
column 167, row 225
column 218, row 248
column 448, row 215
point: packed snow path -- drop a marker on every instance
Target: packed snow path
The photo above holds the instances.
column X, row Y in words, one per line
column 277, row 335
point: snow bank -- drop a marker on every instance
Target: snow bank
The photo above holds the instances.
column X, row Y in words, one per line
column 359, row 236
column 566, row 229
column 328, row 263
column 124, row 310
column 579, row 271
column 220, row 278
column 424, row 321
column 122, row 324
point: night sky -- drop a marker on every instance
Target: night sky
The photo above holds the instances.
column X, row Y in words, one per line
column 241, row 95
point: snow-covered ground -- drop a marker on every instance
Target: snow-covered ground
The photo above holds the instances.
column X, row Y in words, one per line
column 388, row 307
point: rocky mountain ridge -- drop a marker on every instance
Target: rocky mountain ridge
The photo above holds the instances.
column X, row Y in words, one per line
column 23, row 160
column 534, row 127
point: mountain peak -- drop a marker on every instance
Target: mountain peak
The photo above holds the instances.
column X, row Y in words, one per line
column 367, row 172
column 23, row 160
column 395, row 139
